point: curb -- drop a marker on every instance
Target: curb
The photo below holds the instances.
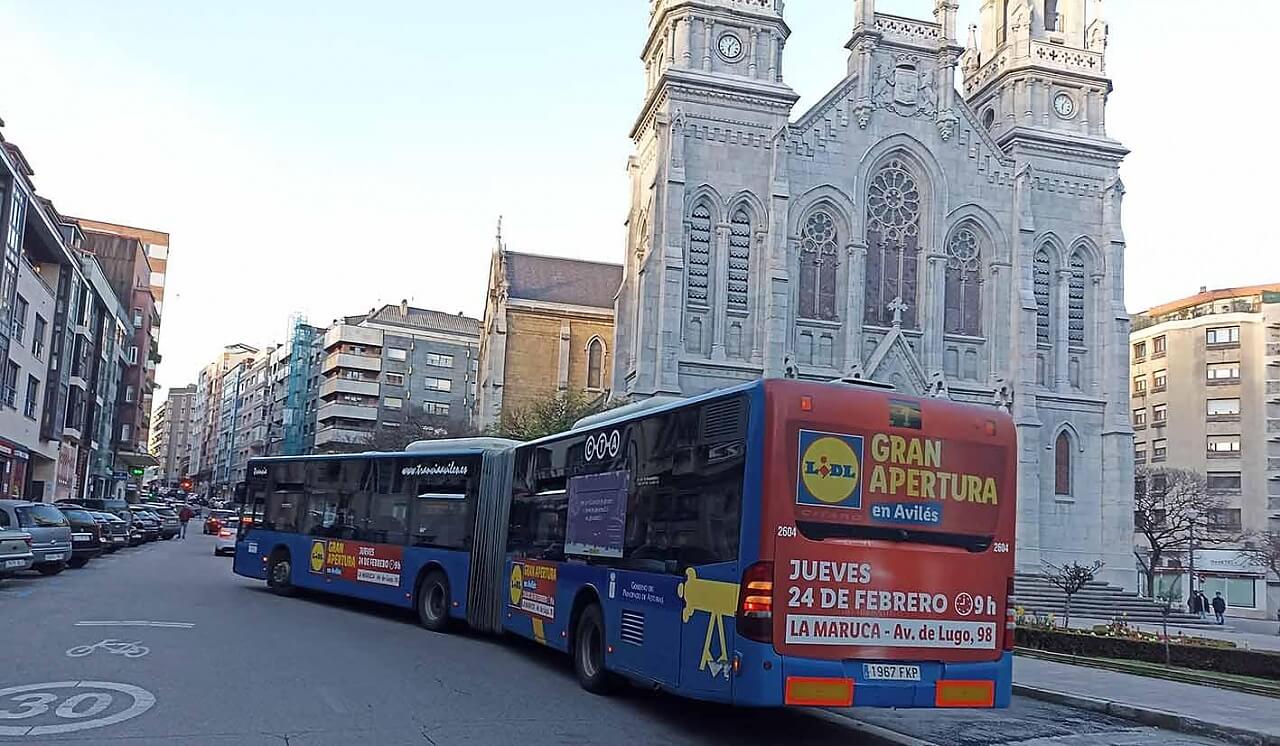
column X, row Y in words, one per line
column 1151, row 716
column 873, row 735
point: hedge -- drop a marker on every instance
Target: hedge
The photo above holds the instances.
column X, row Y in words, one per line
column 1256, row 663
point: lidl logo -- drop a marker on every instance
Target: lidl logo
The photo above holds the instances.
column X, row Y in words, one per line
column 317, row 556
column 830, row 470
column 517, row 583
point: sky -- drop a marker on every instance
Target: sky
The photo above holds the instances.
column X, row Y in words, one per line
column 325, row 157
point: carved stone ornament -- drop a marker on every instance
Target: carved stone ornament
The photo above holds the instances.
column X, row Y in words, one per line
column 1003, row 396
column 905, row 88
column 938, row 386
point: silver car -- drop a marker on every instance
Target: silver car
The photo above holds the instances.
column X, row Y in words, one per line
column 50, row 532
column 15, row 551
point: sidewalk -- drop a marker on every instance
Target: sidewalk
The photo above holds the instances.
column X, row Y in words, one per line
column 1246, row 640
column 1218, row 713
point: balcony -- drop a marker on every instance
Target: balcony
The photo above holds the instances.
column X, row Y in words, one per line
column 355, row 335
column 327, row 435
column 351, row 361
column 333, row 386
column 347, row 411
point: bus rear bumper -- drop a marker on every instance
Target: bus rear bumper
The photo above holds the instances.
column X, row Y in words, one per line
column 808, row 682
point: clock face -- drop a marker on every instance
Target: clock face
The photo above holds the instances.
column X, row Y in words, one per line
column 1064, row 105
column 730, row 47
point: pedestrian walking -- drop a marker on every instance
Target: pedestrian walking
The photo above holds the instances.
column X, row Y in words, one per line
column 184, row 515
column 1219, row 607
column 1204, row 604
column 1193, row 603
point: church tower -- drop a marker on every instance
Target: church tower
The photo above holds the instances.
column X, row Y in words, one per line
column 692, row 303
column 1035, row 75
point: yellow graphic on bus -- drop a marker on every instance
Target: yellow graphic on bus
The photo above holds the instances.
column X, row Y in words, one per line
column 719, row 600
column 317, row 556
column 829, row 469
column 517, row 583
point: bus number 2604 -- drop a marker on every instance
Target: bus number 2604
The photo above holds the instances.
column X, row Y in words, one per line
column 787, row 531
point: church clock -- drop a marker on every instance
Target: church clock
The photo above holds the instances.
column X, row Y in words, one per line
column 730, row 47
column 1064, row 105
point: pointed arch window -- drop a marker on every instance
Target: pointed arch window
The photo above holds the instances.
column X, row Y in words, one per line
column 595, row 364
column 963, row 291
column 1062, row 464
column 698, row 263
column 819, row 262
column 893, row 244
column 1043, row 284
column 739, row 259
column 1076, row 325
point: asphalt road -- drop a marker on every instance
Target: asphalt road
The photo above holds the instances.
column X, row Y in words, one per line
column 211, row 658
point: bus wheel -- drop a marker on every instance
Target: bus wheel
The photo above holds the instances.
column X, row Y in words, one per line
column 280, row 574
column 588, row 652
column 433, row 601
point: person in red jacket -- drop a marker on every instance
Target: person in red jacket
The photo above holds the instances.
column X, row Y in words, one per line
column 184, row 515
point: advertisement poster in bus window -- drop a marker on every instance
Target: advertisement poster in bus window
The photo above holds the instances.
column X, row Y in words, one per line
column 533, row 588
column 830, row 470
column 359, row 562
column 597, row 514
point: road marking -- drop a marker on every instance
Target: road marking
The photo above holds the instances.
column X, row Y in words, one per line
column 116, row 647
column 136, row 623
column 33, row 700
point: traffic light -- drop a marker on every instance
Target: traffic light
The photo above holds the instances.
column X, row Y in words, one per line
column 136, row 471
column 185, row 484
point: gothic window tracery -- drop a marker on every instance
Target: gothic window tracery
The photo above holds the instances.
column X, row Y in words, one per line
column 1062, row 464
column 893, row 244
column 698, row 264
column 819, row 262
column 1043, row 285
column 595, row 364
column 964, row 283
column 739, row 259
column 1076, row 302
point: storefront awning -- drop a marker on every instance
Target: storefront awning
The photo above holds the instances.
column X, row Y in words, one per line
column 131, row 459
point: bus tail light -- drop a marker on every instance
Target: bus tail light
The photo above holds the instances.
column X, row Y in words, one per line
column 964, row 694
column 1010, row 617
column 755, row 603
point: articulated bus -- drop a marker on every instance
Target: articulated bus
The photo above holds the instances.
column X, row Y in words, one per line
column 776, row 543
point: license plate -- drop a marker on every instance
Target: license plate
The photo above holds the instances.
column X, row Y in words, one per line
column 52, row 557
column 890, row 672
column 15, row 563
column 81, row 537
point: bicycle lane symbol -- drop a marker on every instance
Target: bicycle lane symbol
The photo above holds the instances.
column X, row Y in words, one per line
column 115, row 647
column 89, row 705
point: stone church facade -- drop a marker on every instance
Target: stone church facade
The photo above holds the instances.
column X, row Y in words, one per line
column 946, row 218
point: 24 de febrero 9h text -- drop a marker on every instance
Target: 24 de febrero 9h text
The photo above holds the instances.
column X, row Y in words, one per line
column 832, row 608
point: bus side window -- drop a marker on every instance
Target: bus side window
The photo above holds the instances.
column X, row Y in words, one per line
column 536, row 528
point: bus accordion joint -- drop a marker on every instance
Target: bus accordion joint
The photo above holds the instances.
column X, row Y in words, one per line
column 958, row 693
column 809, row 691
column 755, row 605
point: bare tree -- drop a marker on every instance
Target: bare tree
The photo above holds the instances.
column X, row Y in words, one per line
column 1263, row 548
column 553, row 414
column 1071, row 578
column 1172, row 509
column 417, row 425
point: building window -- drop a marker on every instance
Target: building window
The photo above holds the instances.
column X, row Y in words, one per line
column 1062, row 464
column 130, row 394
column 397, row 354
column 1160, row 413
column 438, row 384
column 1159, row 449
column 1158, row 346
column 893, row 246
column 699, row 260
column 9, row 387
column 819, row 260
column 1140, row 417
column 437, row 408
column 132, row 356
column 1223, row 481
column 1077, row 318
column 1220, row 373
column 1240, row 593
column 126, row 433
column 137, row 318
column 1222, row 408
column 1160, row 381
column 1219, row 445
column 1140, row 452
column 440, row 361
column 391, row 402
column 395, row 379
column 37, row 337
column 1223, row 335
column 19, row 325
column 739, row 259
column 1043, row 287
column 963, row 314
column 1139, row 385
column 595, row 364
column 1224, row 519
column 33, row 397
column 1139, row 351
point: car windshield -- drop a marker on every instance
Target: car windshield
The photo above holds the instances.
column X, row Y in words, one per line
column 79, row 516
column 41, row 516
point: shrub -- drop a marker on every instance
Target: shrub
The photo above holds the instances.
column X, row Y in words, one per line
column 1187, row 652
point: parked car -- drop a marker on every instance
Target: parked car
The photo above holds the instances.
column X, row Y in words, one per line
column 86, row 534
column 217, row 519
column 115, row 531
column 225, row 543
column 148, row 522
column 169, row 525
column 15, row 551
column 50, row 532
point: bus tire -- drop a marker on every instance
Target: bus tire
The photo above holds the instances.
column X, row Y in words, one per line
column 433, row 601
column 588, row 652
column 280, row 573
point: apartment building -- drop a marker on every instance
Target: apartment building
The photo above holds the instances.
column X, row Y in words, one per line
column 206, row 416
column 393, row 367
column 252, row 417
column 170, row 434
column 1205, row 378
column 295, row 384
column 111, row 331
